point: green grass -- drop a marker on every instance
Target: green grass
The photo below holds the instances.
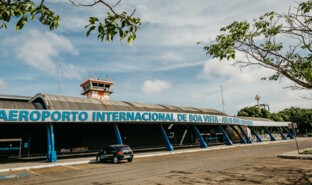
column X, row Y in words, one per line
column 307, row 151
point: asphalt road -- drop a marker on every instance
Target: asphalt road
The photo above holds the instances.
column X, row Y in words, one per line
column 246, row 165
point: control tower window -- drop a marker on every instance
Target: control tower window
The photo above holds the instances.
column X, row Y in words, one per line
column 86, row 87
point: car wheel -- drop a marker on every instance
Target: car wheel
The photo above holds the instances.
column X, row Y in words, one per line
column 130, row 160
column 115, row 160
column 98, row 159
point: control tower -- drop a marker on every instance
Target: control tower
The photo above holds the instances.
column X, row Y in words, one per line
column 96, row 88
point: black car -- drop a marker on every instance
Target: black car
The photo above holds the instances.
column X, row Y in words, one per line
column 115, row 153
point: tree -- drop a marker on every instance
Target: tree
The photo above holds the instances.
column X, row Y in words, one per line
column 114, row 23
column 276, row 117
column 253, row 112
column 303, row 117
column 281, row 42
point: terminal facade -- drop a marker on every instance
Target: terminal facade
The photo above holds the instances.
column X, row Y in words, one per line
column 54, row 125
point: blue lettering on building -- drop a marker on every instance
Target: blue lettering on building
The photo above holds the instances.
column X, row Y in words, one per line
column 23, row 115
column 66, row 116
column 14, row 115
column 34, row 116
column 83, row 116
column 45, row 115
column 56, row 116
column 3, row 115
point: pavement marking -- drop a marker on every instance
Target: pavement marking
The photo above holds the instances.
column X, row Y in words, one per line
column 73, row 167
column 19, row 175
column 32, row 172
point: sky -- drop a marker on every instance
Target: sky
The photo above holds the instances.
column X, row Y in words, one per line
column 163, row 66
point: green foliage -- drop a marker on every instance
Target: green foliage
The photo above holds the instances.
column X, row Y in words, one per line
column 262, row 41
column 113, row 24
column 254, row 112
column 303, row 117
column 225, row 48
column 26, row 8
column 276, row 117
column 123, row 25
column 305, row 7
column 309, row 134
column 307, row 152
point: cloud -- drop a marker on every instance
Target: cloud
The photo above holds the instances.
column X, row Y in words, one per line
column 240, row 85
column 155, row 86
column 73, row 23
column 221, row 71
column 70, row 71
column 172, row 56
column 43, row 51
column 2, row 83
column 142, row 61
column 176, row 24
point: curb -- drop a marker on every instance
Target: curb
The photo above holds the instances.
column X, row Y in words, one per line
column 295, row 155
column 301, row 157
column 44, row 166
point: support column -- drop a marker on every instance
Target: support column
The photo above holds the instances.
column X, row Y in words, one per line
column 288, row 132
column 245, row 134
column 51, row 155
column 203, row 144
column 242, row 140
column 184, row 134
column 281, row 133
column 118, row 135
column 253, row 132
column 270, row 134
column 169, row 145
column 226, row 137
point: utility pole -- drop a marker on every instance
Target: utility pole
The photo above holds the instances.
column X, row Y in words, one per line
column 59, row 80
column 222, row 98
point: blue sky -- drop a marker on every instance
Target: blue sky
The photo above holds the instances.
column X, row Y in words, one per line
column 164, row 65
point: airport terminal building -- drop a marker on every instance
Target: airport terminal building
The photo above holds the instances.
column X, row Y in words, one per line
column 54, row 125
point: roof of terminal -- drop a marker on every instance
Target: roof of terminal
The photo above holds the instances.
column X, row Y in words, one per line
column 57, row 102
column 14, row 97
column 15, row 102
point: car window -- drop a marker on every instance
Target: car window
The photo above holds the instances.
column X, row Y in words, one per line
column 113, row 149
column 126, row 148
column 106, row 150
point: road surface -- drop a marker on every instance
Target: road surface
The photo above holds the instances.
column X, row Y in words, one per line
column 244, row 165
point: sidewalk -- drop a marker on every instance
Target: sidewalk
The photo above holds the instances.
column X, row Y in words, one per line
column 16, row 166
column 295, row 155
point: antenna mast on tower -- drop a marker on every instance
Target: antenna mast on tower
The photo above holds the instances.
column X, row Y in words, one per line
column 257, row 98
column 95, row 72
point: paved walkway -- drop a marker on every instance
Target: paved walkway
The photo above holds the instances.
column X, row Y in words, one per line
column 15, row 166
column 295, row 155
